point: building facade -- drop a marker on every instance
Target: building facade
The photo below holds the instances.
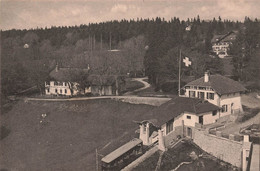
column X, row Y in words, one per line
column 218, row 90
column 221, row 43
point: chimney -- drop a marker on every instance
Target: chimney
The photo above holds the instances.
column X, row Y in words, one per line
column 147, row 133
column 57, row 68
column 161, row 145
column 206, row 77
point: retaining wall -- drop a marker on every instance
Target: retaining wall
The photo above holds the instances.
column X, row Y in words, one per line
column 222, row 148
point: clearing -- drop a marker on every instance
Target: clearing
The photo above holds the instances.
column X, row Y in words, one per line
column 67, row 137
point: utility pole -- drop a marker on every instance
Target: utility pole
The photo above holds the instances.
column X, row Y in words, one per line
column 96, row 160
column 94, row 42
column 101, row 41
column 179, row 88
column 110, row 41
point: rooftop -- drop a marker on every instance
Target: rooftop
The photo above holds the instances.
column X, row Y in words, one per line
column 177, row 106
column 68, row 74
column 121, row 150
column 231, row 36
column 63, row 74
column 222, row 85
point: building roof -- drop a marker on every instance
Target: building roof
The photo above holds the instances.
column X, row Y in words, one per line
column 67, row 74
column 231, row 36
column 63, row 74
column 177, row 106
column 99, row 80
column 222, row 85
column 121, row 150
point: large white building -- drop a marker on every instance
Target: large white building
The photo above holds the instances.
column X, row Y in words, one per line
column 219, row 90
column 60, row 84
column 221, row 43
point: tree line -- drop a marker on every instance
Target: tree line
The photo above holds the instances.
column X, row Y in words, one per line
column 152, row 45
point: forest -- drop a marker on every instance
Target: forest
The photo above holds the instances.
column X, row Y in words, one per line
column 150, row 46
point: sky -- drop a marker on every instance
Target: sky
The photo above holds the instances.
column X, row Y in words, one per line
column 42, row 13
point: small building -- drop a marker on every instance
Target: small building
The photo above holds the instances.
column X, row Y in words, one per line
column 106, row 85
column 221, row 43
column 188, row 28
column 176, row 118
column 218, row 90
column 102, row 85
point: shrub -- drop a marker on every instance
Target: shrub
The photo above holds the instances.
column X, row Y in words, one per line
column 250, row 114
column 4, row 132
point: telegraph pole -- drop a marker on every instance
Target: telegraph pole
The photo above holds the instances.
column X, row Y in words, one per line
column 110, row 41
column 96, row 160
column 101, row 41
column 179, row 87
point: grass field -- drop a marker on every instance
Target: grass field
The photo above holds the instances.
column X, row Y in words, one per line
column 67, row 137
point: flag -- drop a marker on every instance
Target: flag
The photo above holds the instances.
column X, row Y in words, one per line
column 186, row 61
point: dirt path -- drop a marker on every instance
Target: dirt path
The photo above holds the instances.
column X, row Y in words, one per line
column 154, row 101
column 141, row 80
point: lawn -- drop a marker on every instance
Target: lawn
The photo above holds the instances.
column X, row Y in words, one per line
column 67, row 137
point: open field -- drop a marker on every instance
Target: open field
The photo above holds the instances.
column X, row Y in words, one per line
column 67, row 137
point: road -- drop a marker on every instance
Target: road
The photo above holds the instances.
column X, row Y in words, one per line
column 141, row 80
column 127, row 97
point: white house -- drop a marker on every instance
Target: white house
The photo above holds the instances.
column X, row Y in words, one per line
column 60, row 84
column 221, row 43
column 179, row 116
column 102, row 85
column 219, row 90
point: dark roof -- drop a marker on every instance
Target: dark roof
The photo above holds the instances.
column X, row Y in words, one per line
column 177, row 106
column 105, row 79
column 63, row 74
column 121, row 150
column 222, row 85
column 231, row 36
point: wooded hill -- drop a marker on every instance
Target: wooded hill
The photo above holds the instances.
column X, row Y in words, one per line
column 152, row 45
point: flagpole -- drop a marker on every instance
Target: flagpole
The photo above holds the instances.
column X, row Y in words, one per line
column 179, row 88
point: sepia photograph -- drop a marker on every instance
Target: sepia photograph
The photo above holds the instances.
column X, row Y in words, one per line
column 131, row 85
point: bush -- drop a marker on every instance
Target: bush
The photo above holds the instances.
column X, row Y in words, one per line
column 250, row 114
column 171, row 86
column 4, row 132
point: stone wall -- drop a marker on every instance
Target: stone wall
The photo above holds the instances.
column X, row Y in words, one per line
column 222, row 148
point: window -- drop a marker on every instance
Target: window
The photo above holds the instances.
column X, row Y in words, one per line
column 56, row 91
column 202, row 88
column 169, row 126
column 65, row 84
column 210, row 96
column 55, row 83
column 60, row 91
column 224, row 108
column 188, row 117
column 201, row 95
column 48, row 90
column 191, row 93
column 214, row 113
column 65, row 91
